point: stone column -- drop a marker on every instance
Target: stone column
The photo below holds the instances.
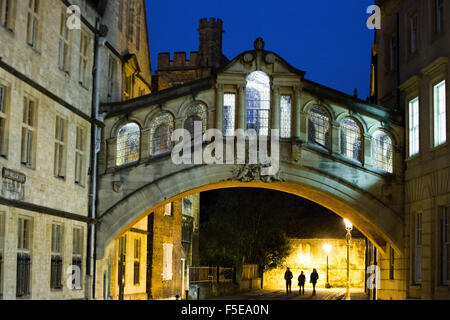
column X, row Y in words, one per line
column 298, row 119
column 275, row 108
column 219, row 106
column 241, row 108
column 335, row 138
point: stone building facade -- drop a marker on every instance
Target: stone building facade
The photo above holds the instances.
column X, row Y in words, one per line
column 54, row 70
column 412, row 50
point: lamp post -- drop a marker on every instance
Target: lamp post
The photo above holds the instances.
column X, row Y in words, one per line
column 327, row 249
column 349, row 228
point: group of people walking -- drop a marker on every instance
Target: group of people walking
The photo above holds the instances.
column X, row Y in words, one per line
column 301, row 281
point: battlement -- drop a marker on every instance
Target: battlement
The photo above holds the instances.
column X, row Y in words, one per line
column 211, row 23
column 179, row 61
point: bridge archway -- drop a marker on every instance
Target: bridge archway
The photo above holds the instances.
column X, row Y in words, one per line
column 379, row 223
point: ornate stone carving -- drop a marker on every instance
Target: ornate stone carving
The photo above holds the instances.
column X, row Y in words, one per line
column 117, row 186
column 259, row 44
column 252, row 172
column 248, row 57
column 270, row 58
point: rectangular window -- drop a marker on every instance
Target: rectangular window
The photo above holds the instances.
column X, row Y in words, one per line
column 3, row 118
column 111, row 76
column 167, row 261
column 28, row 132
column 168, row 209
column 392, row 53
column 2, row 245
column 80, row 156
column 440, row 116
column 414, row 127
column 413, row 34
column 439, row 16
column 129, row 87
column 32, row 22
column 64, row 43
column 229, row 114
column 83, row 64
column 7, row 14
column 77, row 254
column 391, row 264
column 60, row 148
column 418, row 249
column 137, row 261
column 286, row 116
column 445, row 246
column 56, row 257
column 24, row 239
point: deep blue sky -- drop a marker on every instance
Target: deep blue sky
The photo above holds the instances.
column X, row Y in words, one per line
column 326, row 38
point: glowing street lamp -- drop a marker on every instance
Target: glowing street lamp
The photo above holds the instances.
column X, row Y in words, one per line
column 349, row 228
column 327, row 249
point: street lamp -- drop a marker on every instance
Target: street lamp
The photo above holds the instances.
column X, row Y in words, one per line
column 349, row 228
column 327, row 249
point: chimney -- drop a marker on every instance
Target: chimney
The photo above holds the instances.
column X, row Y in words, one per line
column 210, row 44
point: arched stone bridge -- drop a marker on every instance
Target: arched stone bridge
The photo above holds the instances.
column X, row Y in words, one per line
column 335, row 149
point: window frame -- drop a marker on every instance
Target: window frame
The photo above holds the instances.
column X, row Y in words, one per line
column 80, row 156
column 229, row 112
column 139, row 151
column 375, row 152
column 28, row 147
column 4, row 120
column 413, row 127
column 60, row 155
column 33, row 17
column 361, row 139
column 264, row 104
column 8, row 14
column 436, row 114
column 24, row 254
column 286, row 133
column 417, row 261
column 330, row 129
column 444, row 227
column 167, row 274
column 85, row 44
column 64, row 43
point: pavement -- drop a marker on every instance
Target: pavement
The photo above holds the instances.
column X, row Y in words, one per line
column 321, row 294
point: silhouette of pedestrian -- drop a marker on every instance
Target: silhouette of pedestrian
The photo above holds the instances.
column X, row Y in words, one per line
column 301, row 283
column 288, row 277
column 313, row 279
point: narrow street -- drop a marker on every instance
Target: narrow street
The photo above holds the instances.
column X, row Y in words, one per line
column 321, row 294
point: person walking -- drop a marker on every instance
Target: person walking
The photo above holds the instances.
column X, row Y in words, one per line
column 301, row 283
column 288, row 277
column 313, row 279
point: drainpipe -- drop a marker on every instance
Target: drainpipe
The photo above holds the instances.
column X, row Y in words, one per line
column 99, row 42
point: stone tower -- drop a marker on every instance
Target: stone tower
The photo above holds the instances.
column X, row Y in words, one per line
column 210, row 43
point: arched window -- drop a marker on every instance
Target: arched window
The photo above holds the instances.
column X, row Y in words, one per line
column 351, row 141
column 258, row 102
column 319, row 127
column 196, row 113
column 128, row 144
column 382, row 151
column 161, row 129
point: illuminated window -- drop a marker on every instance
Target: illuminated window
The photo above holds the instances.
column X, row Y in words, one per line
column 286, row 116
column 229, row 110
column 414, row 127
column 168, row 209
column 351, row 140
column 3, row 119
column 258, row 102
column 167, row 262
column 64, row 43
column 440, row 116
column 60, row 148
column 445, row 246
column 382, row 151
column 33, row 22
column 56, row 269
column 418, row 249
column 128, row 144
column 196, row 113
column 319, row 127
column 161, row 130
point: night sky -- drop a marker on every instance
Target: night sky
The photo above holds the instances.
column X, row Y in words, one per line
column 326, row 38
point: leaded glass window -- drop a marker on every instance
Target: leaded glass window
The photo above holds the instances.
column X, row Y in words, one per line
column 319, row 127
column 382, row 151
column 161, row 130
column 351, row 141
column 286, row 116
column 258, row 102
column 128, row 144
column 229, row 112
column 196, row 113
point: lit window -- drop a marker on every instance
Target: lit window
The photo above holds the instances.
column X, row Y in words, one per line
column 382, row 151
column 440, row 116
column 168, row 209
column 167, row 262
column 418, row 249
column 258, row 102
column 286, row 116
column 128, row 144
column 64, row 43
column 3, row 118
column 28, row 132
column 60, row 146
column 351, row 140
column 414, row 127
column 445, row 246
column 161, row 130
column 56, row 269
column 229, row 110
column 319, row 127
column 33, row 22
column 196, row 113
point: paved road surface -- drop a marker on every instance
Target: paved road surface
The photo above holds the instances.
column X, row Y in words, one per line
column 321, row 294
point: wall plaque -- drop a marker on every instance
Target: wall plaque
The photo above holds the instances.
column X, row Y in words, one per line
column 14, row 175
